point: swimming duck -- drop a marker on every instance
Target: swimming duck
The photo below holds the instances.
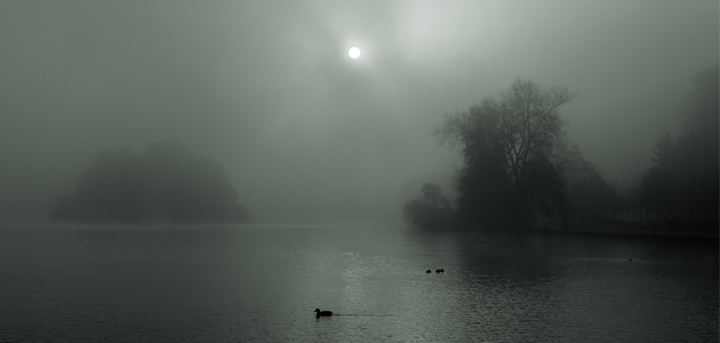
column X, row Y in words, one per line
column 322, row 313
column 428, row 271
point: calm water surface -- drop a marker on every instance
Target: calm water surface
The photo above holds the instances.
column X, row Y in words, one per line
column 91, row 283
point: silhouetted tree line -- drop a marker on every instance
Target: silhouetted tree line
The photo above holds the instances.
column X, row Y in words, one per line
column 166, row 184
column 519, row 172
column 588, row 197
column 682, row 185
column 431, row 210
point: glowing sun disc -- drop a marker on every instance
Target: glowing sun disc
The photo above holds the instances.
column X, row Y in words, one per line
column 354, row 52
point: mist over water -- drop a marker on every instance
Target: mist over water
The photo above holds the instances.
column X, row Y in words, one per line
column 305, row 133
column 160, row 116
column 112, row 283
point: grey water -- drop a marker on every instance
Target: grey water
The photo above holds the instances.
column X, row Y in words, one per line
column 214, row 283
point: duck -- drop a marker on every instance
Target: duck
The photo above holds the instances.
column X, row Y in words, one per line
column 322, row 313
column 440, row 270
column 428, row 271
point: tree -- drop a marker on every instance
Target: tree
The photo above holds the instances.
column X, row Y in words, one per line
column 592, row 197
column 432, row 210
column 569, row 159
column 483, row 186
column 586, row 193
column 507, row 144
column 683, row 180
column 167, row 183
column 697, row 150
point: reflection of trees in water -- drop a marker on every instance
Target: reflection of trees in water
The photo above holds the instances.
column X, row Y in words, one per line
column 564, row 285
column 535, row 258
column 514, row 258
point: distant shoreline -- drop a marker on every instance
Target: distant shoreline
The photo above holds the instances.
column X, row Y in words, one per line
column 634, row 233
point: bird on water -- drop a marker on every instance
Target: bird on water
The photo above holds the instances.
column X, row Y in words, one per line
column 428, row 271
column 322, row 313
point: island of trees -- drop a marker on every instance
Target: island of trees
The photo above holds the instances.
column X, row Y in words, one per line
column 521, row 172
column 165, row 184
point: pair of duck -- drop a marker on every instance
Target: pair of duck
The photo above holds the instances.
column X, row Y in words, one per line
column 437, row 271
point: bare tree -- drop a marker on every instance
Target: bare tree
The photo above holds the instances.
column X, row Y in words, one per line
column 524, row 120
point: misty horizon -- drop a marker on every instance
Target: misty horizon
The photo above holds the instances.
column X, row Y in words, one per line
column 306, row 134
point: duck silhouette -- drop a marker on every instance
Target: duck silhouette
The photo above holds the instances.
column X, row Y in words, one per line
column 322, row 313
column 428, row 271
column 440, row 270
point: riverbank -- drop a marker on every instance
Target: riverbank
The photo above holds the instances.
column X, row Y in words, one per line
column 637, row 234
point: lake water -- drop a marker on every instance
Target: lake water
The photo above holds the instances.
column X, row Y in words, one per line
column 91, row 283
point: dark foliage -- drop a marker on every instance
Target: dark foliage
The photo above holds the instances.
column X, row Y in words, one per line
column 483, row 186
column 166, row 184
column 683, row 181
column 589, row 198
column 543, row 186
column 430, row 211
column 507, row 141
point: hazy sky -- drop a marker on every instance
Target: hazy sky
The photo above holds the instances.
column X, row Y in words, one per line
column 304, row 132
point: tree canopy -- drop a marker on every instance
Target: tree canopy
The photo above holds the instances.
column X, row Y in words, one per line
column 507, row 145
column 166, row 184
column 431, row 210
column 683, row 181
column 519, row 168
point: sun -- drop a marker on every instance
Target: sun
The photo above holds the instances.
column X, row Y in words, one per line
column 354, row 53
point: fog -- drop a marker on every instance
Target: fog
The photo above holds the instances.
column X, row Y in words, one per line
column 305, row 133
